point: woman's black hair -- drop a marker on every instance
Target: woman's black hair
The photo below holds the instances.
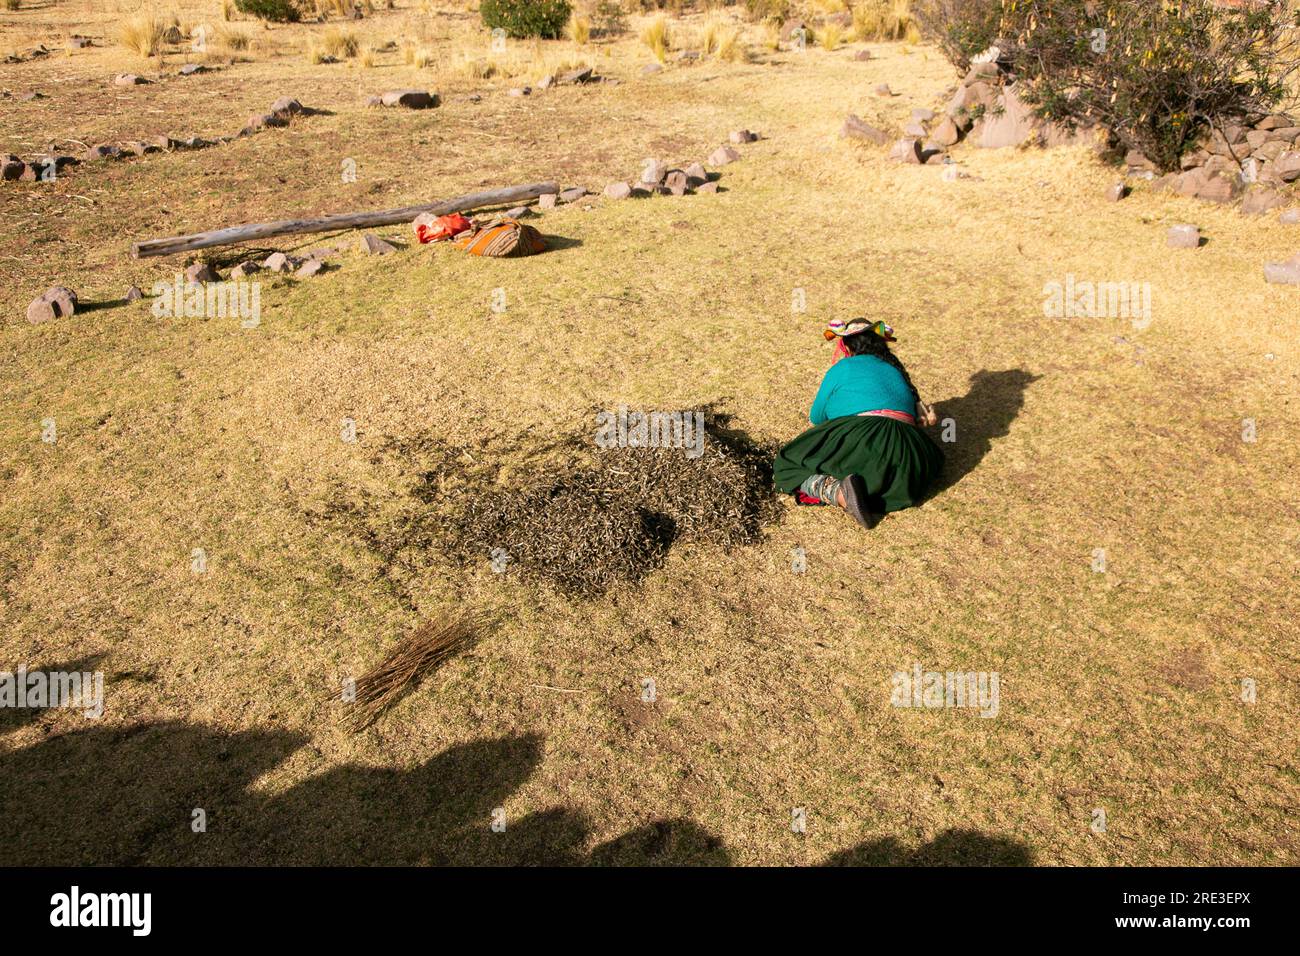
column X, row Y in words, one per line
column 869, row 343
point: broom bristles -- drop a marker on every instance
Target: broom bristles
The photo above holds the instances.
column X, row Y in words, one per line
column 429, row 646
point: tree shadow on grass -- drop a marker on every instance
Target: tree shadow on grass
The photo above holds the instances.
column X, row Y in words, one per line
column 984, row 413
column 950, row 848
column 128, row 796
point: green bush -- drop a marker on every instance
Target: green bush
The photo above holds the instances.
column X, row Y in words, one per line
column 961, row 28
column 526, row 18
column 1157, row 75
column 277, row 11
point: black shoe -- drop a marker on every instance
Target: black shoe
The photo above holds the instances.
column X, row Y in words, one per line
column 855, row 501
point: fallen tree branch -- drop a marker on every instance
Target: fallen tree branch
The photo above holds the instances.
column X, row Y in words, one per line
column 347, row 220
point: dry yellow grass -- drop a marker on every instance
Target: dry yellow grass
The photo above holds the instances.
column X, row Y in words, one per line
column 830, row 36
column 341, row 43
column 655, row 36
column 1121, row 689
column 578, row 29
column 142, row 34
column 234, row 39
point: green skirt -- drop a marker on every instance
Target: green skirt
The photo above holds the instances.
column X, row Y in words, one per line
column 898, row 461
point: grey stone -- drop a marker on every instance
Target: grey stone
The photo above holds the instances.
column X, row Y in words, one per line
column 200, row 272
column 411, row 99
column 651, row 68
column 56, row 302
column 676, row 182
column 1183, row 237
column 1283, row 273
column 696, row 173
column 652, row 172
column 1287, row 166
column 572, row 195
column 707, row 189
column 190, row 69
column 1260, row 199
column 311, row 267
column 1010, row 123
column 1275, row 121
column 372, row 245
column 1289, row 217
column 922, row 115
column 618, row 191
column 574, row 76
column 1116, row 192
column 722, row 156
column 1221, row 188
column 279, row 262
column 884, row 90
column 855, row 128
column 520, row 91
column 246, row 269
column 907, row 151
column 546, row 201
column 133, row 294
column 129, row 79
column 915, row 130
column 862, row 56
column 518, row 212
column 1270, row 151
column 742, row 136
column 946, row 133
column 102, row 151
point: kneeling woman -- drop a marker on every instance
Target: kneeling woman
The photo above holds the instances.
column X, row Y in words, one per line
column 865, row 451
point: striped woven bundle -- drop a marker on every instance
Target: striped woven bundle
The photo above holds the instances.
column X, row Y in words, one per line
column 502, row 238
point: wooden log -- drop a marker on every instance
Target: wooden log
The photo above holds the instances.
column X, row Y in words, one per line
column 347, row 220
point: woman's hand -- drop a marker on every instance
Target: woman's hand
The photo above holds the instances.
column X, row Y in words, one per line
column 925, row 414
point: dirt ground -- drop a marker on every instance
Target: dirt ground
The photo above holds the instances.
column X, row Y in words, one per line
column 1121, row 691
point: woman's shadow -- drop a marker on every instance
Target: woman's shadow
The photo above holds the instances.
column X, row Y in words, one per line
column 968, row 425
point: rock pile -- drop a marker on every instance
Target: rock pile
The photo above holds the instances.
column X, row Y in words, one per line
column 281, row 113
column 1256, row 160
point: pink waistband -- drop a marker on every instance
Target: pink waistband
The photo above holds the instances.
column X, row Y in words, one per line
column 890, row 413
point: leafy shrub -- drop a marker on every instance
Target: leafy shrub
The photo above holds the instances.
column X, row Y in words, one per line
column 609, row 18
column 276, row 11
column 961, row 28
column 1157, row 75
column 526, row 18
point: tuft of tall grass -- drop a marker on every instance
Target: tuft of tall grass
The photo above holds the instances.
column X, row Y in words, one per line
column 340, row 43
column 143, row 34
column 578, row 28
column 655, row 36
column 831, row 35
column 233, row 38
column 731, row 47
column 885, row 20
